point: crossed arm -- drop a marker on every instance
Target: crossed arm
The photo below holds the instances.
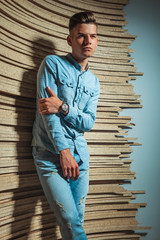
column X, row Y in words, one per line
column 49, row 106
column 52, row 105
column 81, row 120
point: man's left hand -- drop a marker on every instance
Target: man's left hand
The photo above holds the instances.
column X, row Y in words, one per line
column 51, row 104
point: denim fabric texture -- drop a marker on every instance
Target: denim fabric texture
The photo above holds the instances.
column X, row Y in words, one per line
column 66, row 197
column 55, row 132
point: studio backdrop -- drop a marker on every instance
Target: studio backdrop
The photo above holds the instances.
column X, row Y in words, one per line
column 31, row 30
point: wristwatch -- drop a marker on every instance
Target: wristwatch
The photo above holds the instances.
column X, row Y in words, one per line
column 64, row 108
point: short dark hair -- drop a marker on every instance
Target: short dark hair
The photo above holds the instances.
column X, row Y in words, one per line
column 82, row 17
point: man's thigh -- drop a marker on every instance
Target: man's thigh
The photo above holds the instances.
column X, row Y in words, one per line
column 80, row 189
column 56, row 188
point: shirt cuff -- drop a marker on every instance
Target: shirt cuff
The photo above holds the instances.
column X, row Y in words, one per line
column 71, row 116
column 60, row 144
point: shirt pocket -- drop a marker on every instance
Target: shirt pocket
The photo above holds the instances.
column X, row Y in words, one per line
column 65, row 89
column 87, row 94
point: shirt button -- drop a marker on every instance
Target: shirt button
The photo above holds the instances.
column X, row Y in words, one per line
column 74, row 137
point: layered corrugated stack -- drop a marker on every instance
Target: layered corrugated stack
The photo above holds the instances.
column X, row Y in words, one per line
column 32, row 29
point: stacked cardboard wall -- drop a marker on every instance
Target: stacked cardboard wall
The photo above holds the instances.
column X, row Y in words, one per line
column 32, row 29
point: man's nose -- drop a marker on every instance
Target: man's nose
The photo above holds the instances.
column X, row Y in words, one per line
column 87, row 39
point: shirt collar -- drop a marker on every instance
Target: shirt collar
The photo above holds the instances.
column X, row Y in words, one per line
column 75, row 63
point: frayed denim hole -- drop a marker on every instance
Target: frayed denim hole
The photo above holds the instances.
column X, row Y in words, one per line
column 61, row 206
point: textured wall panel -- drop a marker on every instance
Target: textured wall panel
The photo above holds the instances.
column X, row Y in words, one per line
column 32, row 29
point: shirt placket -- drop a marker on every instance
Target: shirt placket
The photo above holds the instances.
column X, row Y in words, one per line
column 79, row 87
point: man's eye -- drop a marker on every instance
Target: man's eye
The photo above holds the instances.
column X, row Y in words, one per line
column 80, row 36
column 93, row 36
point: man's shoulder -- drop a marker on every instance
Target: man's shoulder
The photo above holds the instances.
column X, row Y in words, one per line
column 53, row 58
column 89, row 71
column 93, row 82
column 93, row 76
column 54, row 61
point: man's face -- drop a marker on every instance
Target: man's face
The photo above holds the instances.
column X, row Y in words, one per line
column 83, row 40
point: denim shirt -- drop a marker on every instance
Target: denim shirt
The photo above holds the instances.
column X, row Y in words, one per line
column 55, row 132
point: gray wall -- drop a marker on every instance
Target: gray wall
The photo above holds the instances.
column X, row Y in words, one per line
column 143, row 17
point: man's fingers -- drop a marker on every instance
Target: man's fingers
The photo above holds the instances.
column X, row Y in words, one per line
column 69, row 173
column 73, row 173
column 43, row 106
column 77, row 172
column 43, row 112
column 49, row 90
column 65, row 172
column 43, row 109
column 42, row 100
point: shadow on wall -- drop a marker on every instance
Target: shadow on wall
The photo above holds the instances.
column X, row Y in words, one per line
column 32, row 217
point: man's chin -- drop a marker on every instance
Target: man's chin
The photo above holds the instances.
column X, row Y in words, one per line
column 87, row 54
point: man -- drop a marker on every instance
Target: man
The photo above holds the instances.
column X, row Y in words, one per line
column 67, row 93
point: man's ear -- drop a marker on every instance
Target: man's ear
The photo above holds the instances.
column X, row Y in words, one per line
column 69, row 41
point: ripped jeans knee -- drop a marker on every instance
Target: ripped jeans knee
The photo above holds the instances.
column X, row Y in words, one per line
column 66, row 197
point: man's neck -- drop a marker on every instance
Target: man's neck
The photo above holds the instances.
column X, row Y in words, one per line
column 82, row 62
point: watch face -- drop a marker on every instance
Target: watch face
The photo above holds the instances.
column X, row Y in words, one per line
column 64, row 107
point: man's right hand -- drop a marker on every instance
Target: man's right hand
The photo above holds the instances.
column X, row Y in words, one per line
column 69, row 165
column 51, row 104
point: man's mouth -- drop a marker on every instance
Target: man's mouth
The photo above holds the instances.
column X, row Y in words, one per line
column 87, row 48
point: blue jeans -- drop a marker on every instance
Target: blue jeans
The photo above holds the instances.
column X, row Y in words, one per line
column 66, row 197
